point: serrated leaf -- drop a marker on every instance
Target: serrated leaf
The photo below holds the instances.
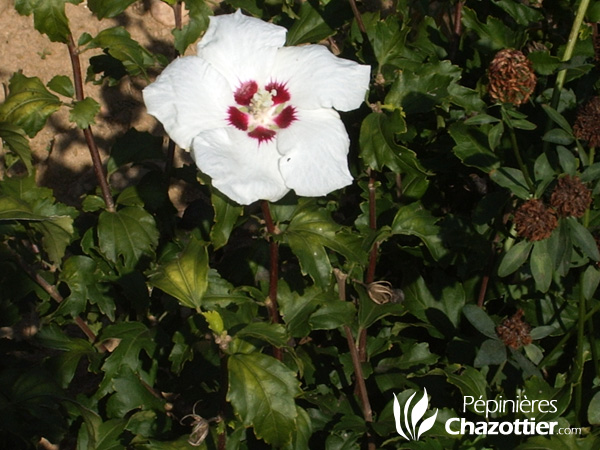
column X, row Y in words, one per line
column 227, row 213
column 61, row 84
column 84, row 279
column 108, row 8
column 480, row 320
column 514, row 258
column 272, row 333
column 296, row 308
column 185, row 277
column 311, row 26
column 415, row 220
column 126, row 235
column 262, row 391
column 199, row 13
column 180, row 353
column 133, row 338
column 118, row 43
column 134, row 147
column 29, row 104
column 83, row 113
column 16, row 140
column 493, row 35
column 331, row 315
column 471, row 147
column 129, row 394
column 310, row 232
column 48, row 17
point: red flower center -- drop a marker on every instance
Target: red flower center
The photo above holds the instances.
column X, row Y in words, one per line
column 261, row 111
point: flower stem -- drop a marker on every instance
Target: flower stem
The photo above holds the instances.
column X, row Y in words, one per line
column 522, row 166
column 356, row 363
column 273, row 270
column 580, row 358
column 101, row 175
column 560, row 78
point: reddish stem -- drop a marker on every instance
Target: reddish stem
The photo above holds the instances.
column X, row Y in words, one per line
column 273, row 270
column 87, row 132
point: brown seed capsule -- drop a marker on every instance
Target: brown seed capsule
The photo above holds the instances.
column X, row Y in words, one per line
column 534, row 220
column 511, row 77
column 586, row 123
column 570, row 197
column 514, row 332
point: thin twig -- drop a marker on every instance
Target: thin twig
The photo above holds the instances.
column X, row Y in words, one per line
column 87, row 132
column 177, row 13
column 358, row 17
column 358, row 373
column 53, row 293
column 273, row 270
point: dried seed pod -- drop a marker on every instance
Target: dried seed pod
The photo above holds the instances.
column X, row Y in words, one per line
column 534, row 220
column 586, row 122
column 511, row 77
column 382, row 292
column 514, row 332
column 570, row 197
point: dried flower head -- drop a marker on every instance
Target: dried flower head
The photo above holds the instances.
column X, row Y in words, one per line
column 534, row 220
column 382, row 292
column 511, row 77
column 571, row 197
column 586, row 122
column 514, row 332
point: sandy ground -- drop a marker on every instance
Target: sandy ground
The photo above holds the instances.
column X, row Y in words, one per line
column 62, row 158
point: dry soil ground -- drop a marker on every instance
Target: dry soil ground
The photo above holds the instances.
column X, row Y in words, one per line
column 62, row 158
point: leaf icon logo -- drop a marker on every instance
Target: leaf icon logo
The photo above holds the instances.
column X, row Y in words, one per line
column 413, row 433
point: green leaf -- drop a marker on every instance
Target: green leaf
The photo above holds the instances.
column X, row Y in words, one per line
column 262, row 391
column 227, row 213
column 590, row 281
column 583, row 239
column 84, row 279
column 594, row 410
column 134, row 147
column 185, row 277
column 480, row 320
column 521, row 13
column 133, row 338
column 514, row 258
column 415, row 220
column 296, row 308
column 558, row 136
column 49, row 17
column 511, row 179
column 198, row 13
column 118, row 43
column 471, row 382
column 83, row 113
column 491, row 352
column 129, row 394
column 16, row 140
column 61, row 84
column 29, row 104
column 180, row 353
column 413, row 355
column 332, row 314
column 542, row 265
column 558, row 119
column 310, row 232
column 567, row 160
column 272, row 333
column 108, row 8
column 311, row 26
column 471, row 147
column 126, row 235
column 378, row 146
column 493, row 35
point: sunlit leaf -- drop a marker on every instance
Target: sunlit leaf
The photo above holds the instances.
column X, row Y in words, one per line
column 48, row 17
column 83, row 113
column 262, row 391
column 29, row 104
column 198, row 12
column 185, row 277
column 108, row 8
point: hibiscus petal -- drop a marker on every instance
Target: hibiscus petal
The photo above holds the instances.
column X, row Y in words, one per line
column 316, row 78
column 314, row 149
column 188, row 97
column 239, row 166
column 242, row 48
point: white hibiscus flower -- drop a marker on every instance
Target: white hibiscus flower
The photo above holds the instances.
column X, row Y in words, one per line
column 259, row 117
